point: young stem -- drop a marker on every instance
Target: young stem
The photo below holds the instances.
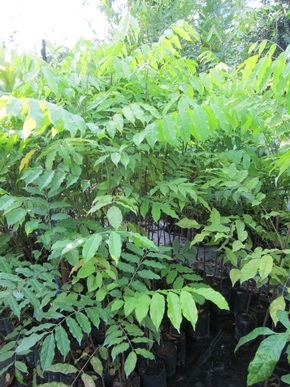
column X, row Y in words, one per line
column 249, row 302
column 122, row 366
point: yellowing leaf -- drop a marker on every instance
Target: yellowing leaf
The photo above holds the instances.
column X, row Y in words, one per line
column 26, row 160
column 28, row 126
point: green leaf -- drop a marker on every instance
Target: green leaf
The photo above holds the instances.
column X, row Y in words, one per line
column 184, row 125
column 128, row 113
column 126, row 267
column 86, row 270
column 5, row 368
column 253, row 335
column 171, row 275
column 188, row 307
column 22, row 367
column 5, row 202
column 116, row 305
column 114, row 337
column 167, row 129
column 31, row 296
column 62, row 340
column 130, row 363
column 97, row 365
column 88, row 380
column 249, row 64
column 28, row 342
column 266, row 358
column 120, row 348
column 142, row 307
column 276, row 305
column 148, row 274
column 234, row 276
column 92, row 282
column 213, row 296
column 101, row 294
column 249, row 270
column 91, row 246
column 215, row 217
column 31, row 226
column 178, row 283
column 115, row 157
column 75, row 329
column 83, row 322
column 199, row 237
column 45, row 179
column 63, row 368
column 138, row 138
column 13, row 305
column 47, row 351
column 237, row 245
column 115, row 217
column 115, row 245
column 181, row 32
column 286, row 379
column 188, row 223
column 94, row 316
column 50, row 79
column 5, row 354
column 142, row 241
column 156, row 211
column 168, row 211
column 201, row 128
column 153, row 264
column 266, row 266
column 16, row 216
column 6, row 348
column 104, row 353
column 174, row 310
column 145, row 353
column 144, row 208
column 284, row 319
column 129, row 306
column 157, row 309
column 151, row 133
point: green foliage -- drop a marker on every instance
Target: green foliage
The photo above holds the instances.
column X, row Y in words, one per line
column 112, row 142
column 269, row 351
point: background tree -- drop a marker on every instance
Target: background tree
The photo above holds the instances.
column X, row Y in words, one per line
column 226, row 28
column 272, row 22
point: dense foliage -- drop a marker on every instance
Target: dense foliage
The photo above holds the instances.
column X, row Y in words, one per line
column 100, row 145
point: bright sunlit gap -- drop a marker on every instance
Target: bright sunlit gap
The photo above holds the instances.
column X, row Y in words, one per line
column 59, row 21
column 24, row 23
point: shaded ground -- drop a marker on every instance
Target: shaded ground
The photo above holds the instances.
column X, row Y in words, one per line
column 213, row 363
